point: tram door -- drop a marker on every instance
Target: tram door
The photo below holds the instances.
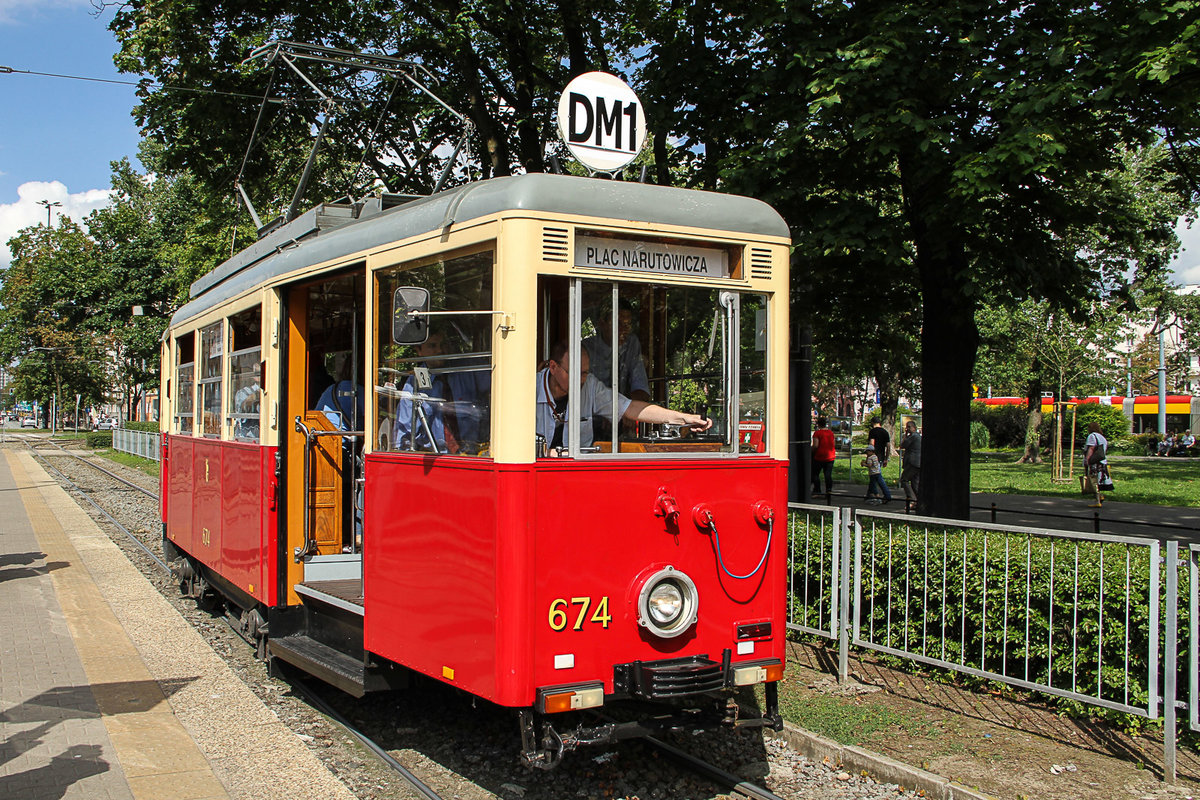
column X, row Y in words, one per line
column 325, row 401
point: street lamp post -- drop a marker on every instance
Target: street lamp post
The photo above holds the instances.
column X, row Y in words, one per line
column 49, row 205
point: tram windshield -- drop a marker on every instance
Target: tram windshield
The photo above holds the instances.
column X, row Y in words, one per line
column 435, row 396
column 689, row 349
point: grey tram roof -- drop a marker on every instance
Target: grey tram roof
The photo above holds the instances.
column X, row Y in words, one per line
column 328, row 232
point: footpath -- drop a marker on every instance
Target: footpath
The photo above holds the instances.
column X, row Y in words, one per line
column 106, row 691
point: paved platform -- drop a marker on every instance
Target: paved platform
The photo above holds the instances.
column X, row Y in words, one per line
column 105, row 690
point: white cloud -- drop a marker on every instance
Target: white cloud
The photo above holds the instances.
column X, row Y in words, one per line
column 29, row 211
column 1187, row 263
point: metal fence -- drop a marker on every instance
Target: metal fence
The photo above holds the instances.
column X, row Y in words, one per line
column 1075, row 615
column 139, row 443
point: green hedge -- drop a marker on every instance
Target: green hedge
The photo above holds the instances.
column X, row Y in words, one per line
column 99, row 439
column 149, row 427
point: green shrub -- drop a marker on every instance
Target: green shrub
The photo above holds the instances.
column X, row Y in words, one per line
column 1006, row 424
column 149, row 427
column 99, row 439
column 1113, row 422
column 980, row 437
column 1051, row 612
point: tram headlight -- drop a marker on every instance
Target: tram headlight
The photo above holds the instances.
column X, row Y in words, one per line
column 665, row 603
column 668, row 603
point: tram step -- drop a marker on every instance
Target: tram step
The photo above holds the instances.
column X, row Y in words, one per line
column 322, row 661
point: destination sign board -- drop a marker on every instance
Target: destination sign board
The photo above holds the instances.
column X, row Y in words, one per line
column 653, row 257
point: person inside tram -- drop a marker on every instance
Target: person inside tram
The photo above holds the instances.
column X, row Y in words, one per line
column 449, row 409
column 342, row 401
column 554, row 392
column 631, row 369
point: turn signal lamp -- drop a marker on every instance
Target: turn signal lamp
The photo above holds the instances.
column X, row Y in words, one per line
column 751, row 674
column 573, row 698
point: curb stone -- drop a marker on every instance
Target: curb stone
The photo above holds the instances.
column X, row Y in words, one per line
column 879, row 767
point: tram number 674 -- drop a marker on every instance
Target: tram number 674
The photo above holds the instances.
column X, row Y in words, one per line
column 559, row 617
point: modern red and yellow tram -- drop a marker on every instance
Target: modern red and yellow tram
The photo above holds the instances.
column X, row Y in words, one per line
column 366, row 454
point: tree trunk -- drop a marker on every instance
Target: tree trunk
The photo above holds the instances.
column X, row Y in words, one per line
column 1033, row 449
column 949, row 340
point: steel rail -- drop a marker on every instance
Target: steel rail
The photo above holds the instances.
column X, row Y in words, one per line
column 714, row 773
column 70, row 483
column 94, row 465
column 314, row 700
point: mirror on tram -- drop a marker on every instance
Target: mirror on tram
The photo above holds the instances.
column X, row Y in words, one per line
column 408, row 328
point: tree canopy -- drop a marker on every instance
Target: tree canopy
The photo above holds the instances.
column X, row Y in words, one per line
column 935, row 161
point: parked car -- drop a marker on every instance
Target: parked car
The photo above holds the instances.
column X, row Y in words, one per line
column 106, row 424
column 28, row 422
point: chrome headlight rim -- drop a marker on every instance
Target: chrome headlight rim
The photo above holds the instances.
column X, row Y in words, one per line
column 688, row 613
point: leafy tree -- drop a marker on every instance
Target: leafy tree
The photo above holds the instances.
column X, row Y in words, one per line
column 154, row 240
column 971, row 142
column 47, row 324
column 500, row 63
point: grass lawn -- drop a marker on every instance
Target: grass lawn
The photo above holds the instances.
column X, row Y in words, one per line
column 137, row 462
column 1158, row 481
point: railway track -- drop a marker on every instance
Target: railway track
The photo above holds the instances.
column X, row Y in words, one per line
column 433, row 742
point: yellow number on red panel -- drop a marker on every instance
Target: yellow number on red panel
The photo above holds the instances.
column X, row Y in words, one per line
column 559, row 619
column 600, row 615
column 558, row 616
column 585, row 602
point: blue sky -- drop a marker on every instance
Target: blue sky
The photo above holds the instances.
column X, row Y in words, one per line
column 57, row 136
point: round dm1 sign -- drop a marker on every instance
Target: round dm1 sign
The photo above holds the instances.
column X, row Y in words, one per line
column 601, row 120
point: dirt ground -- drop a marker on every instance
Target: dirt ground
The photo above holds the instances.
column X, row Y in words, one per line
column 1010, row 750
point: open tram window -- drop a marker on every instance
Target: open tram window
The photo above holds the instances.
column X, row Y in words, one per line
column 212, row 353
column 688, row 349
column 435, row 397
column 245, row 374
column 185, row 383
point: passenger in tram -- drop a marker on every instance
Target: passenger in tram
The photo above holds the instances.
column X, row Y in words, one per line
column 342, row 402
column 450, row 409
column 631, row 369
column 595, row 400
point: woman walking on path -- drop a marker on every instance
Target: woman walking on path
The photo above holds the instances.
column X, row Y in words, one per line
column 1095, row 459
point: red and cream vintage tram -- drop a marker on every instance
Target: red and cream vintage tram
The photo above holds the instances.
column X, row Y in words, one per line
column 365, row 457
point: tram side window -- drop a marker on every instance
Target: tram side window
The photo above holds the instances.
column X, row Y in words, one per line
column 185, row 383
column 436, row 397
column 212, row 352
column 752, row 376
column 245, row 374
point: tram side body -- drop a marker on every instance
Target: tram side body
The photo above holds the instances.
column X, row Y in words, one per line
column 467, row 564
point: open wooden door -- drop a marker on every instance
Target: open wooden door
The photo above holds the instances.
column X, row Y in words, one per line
column 324, row 328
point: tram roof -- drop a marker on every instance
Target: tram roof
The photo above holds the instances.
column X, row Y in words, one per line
column 328, row 232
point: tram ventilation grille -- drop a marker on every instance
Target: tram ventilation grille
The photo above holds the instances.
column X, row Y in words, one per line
column 760, row 262
column 554, row 245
